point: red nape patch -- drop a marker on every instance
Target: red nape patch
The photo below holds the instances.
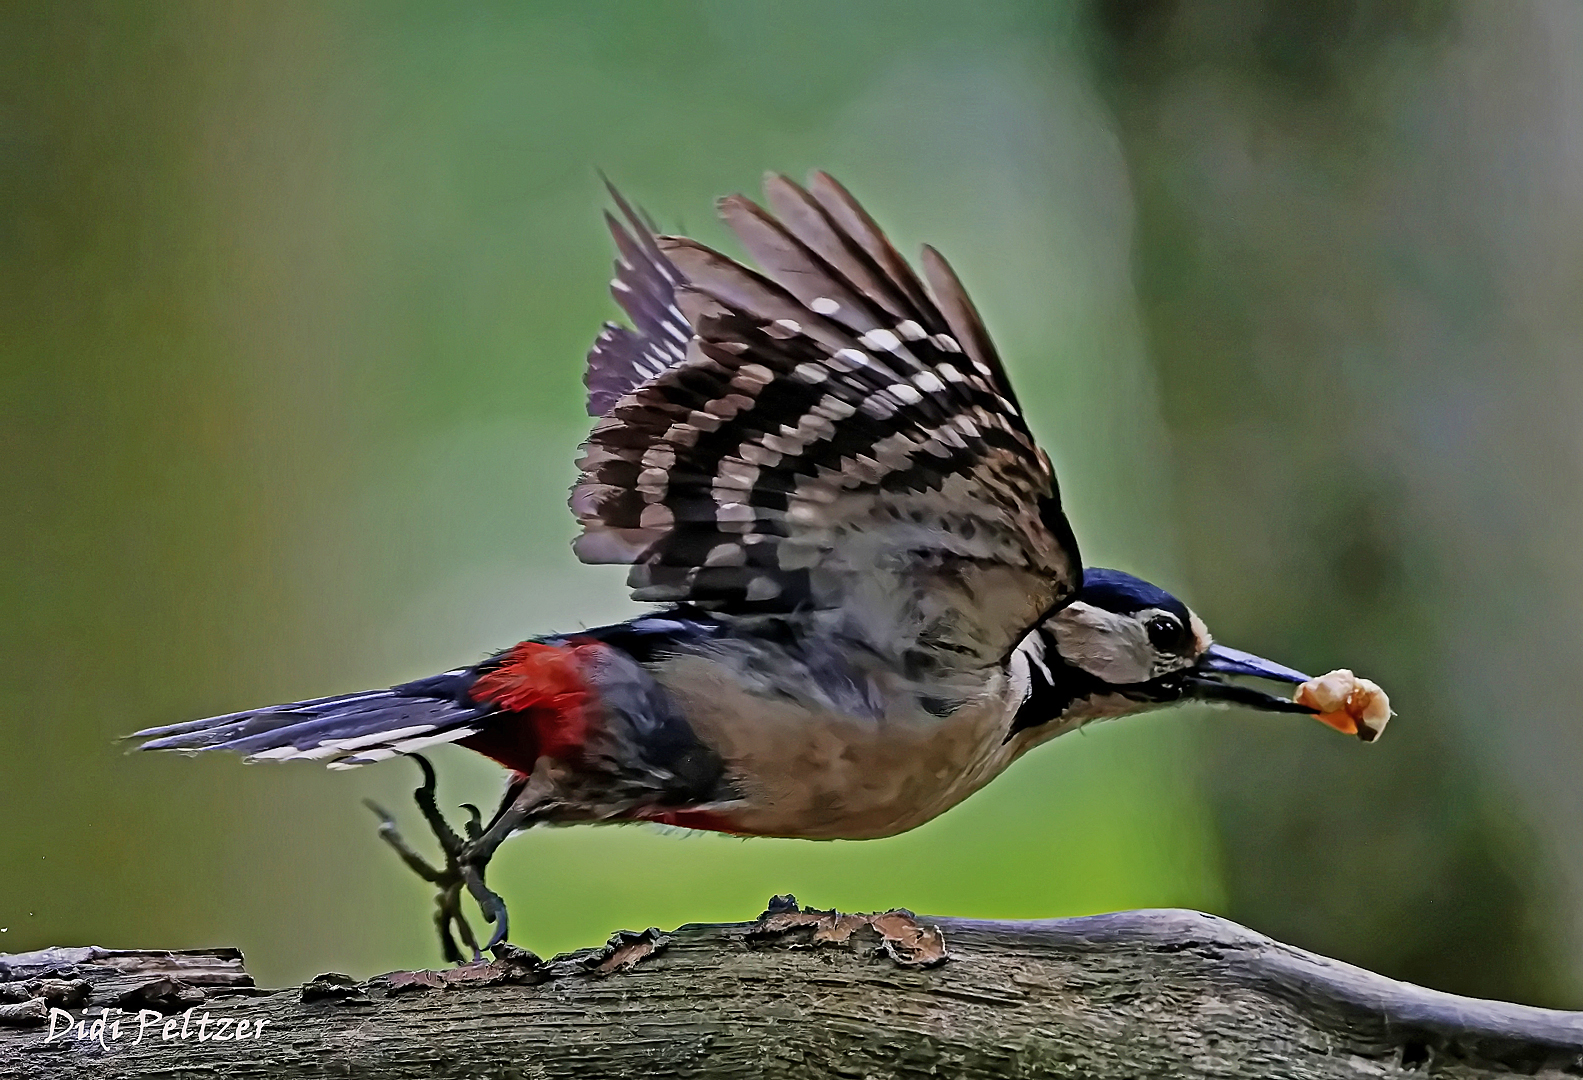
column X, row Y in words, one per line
column 545, row 684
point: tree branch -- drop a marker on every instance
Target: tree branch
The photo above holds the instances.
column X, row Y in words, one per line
column 1140, row 993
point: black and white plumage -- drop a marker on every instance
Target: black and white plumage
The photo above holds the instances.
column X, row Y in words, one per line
column 645, row 286
column 832, row 434
column 875, row 601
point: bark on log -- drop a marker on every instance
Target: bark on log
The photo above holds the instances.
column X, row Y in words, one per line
column 1140, row 993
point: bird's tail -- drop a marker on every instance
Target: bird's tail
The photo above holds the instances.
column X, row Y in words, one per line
column 343, row 731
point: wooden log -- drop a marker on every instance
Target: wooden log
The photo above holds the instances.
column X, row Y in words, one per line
column 795, row 994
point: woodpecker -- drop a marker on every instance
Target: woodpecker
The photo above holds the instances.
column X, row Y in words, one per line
column 871, row 600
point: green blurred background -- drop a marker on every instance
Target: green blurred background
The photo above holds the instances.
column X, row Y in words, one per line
column 293, row 304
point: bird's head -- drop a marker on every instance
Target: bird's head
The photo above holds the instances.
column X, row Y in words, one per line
column 1123, row 645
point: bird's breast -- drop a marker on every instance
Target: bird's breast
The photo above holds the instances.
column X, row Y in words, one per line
column 817, row 773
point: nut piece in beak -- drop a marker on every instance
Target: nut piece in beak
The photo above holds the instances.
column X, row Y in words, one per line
column 1351, row 705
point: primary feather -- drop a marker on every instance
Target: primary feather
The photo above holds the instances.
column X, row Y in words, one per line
column 644, row 284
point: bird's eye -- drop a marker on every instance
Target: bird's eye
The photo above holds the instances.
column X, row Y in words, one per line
column 1165, row 633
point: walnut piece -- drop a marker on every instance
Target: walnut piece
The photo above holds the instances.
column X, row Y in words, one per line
column 1351, row 705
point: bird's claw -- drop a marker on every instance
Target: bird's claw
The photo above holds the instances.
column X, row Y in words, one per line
column 465, row 861
column 475, row 821
column 489, row 902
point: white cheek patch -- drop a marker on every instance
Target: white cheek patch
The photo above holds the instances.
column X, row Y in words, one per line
column 1020, row 679
column 1027, row 657
column 1113, row 647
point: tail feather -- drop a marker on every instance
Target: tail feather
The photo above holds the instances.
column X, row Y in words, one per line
column 344, row 731
column 532, row 681
column 212, row 722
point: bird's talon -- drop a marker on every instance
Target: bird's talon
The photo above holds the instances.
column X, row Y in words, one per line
column 385, row 817
column 464, row 865
column 450, row 842
column 475, row 819
column 448, row 948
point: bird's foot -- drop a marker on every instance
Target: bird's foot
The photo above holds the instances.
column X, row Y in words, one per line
column 465, row 862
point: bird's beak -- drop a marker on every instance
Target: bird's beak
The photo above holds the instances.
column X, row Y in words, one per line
column 1206, row 683
column 1224, row 661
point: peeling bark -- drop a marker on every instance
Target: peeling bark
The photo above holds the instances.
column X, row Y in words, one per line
column 799, row 993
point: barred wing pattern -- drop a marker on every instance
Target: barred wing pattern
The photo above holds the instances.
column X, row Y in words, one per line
column 645, row 286
column 832, row 439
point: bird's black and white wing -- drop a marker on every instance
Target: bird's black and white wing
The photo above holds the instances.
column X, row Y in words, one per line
column 834, row 437
column 645, row 286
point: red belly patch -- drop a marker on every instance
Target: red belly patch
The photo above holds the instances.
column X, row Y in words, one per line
column 705, row 820
column 546, row 686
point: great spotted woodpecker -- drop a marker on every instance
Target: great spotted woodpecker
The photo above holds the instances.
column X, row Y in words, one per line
column 874, row 600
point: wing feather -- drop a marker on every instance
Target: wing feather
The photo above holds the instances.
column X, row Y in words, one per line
column 645, row 285
column 966, row 325
column 850, row 217
column 830, row 440
column 812, row 225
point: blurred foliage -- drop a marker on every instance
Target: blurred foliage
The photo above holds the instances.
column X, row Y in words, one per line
column 293, row 302
column 1293, row 245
